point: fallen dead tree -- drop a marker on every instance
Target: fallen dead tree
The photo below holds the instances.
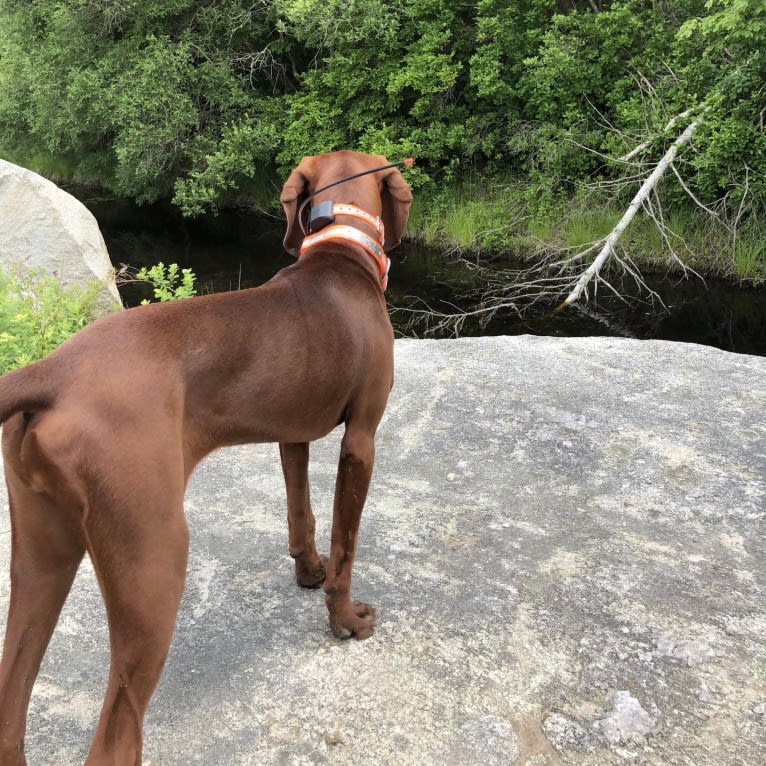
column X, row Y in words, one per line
column 561, row 278
column 635, row 205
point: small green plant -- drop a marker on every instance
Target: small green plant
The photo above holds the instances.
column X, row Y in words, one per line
column 37, row 314
column 169, row 283
column 750, row 259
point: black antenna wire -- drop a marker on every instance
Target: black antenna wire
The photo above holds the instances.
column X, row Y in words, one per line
column 409, row 161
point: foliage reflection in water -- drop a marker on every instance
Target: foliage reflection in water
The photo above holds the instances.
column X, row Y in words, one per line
column 235, row 250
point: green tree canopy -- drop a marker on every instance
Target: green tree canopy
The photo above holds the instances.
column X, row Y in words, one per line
column 201, row 100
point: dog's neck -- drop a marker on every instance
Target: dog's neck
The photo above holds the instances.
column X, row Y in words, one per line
column 352, row 234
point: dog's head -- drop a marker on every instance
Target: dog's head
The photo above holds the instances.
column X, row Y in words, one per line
column 385, row 193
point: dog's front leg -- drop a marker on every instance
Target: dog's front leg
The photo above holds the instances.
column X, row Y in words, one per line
column 309, row 565
column 357, row 454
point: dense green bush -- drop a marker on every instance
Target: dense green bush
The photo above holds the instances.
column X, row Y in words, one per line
column 37, row 314
column 205, row 101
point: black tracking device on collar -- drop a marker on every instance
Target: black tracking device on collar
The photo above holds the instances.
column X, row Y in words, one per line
column 321, row 215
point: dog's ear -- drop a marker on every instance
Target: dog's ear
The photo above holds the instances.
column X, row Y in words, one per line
column 293, row 194
column 396, row 199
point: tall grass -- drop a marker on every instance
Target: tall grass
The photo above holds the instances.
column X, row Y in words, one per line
column 45, row 165
column 749, row 255
column 492, row 220
column 586, row 226
column 467, row 219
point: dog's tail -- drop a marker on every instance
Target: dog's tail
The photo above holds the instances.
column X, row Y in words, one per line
column 28, row 389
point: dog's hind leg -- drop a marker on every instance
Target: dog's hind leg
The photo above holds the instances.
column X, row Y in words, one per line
column 309, row 565
column 138, row 541
column 46, row 550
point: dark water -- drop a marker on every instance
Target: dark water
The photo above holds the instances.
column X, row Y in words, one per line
column 235, row 250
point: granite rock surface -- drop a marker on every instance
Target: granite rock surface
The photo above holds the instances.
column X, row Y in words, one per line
column 47, row 230
column 565, row 543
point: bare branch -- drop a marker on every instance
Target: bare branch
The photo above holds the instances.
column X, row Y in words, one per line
column 692, row 196
column 635, row 205
column 739, row 211
column 640, row 148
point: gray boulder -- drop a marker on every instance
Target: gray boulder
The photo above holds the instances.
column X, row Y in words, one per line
column 565, row 542
column 47, row 230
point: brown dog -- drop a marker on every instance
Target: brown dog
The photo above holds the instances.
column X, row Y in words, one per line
column 101, row 436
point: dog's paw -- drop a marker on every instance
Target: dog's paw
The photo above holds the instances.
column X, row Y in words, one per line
column 311, row 575
column 357, row 620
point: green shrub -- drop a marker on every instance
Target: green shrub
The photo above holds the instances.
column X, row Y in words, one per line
column 37, row 314
column 168, row 283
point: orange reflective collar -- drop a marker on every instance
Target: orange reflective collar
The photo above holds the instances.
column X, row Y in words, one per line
column 362, row 215
column 342, row 232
